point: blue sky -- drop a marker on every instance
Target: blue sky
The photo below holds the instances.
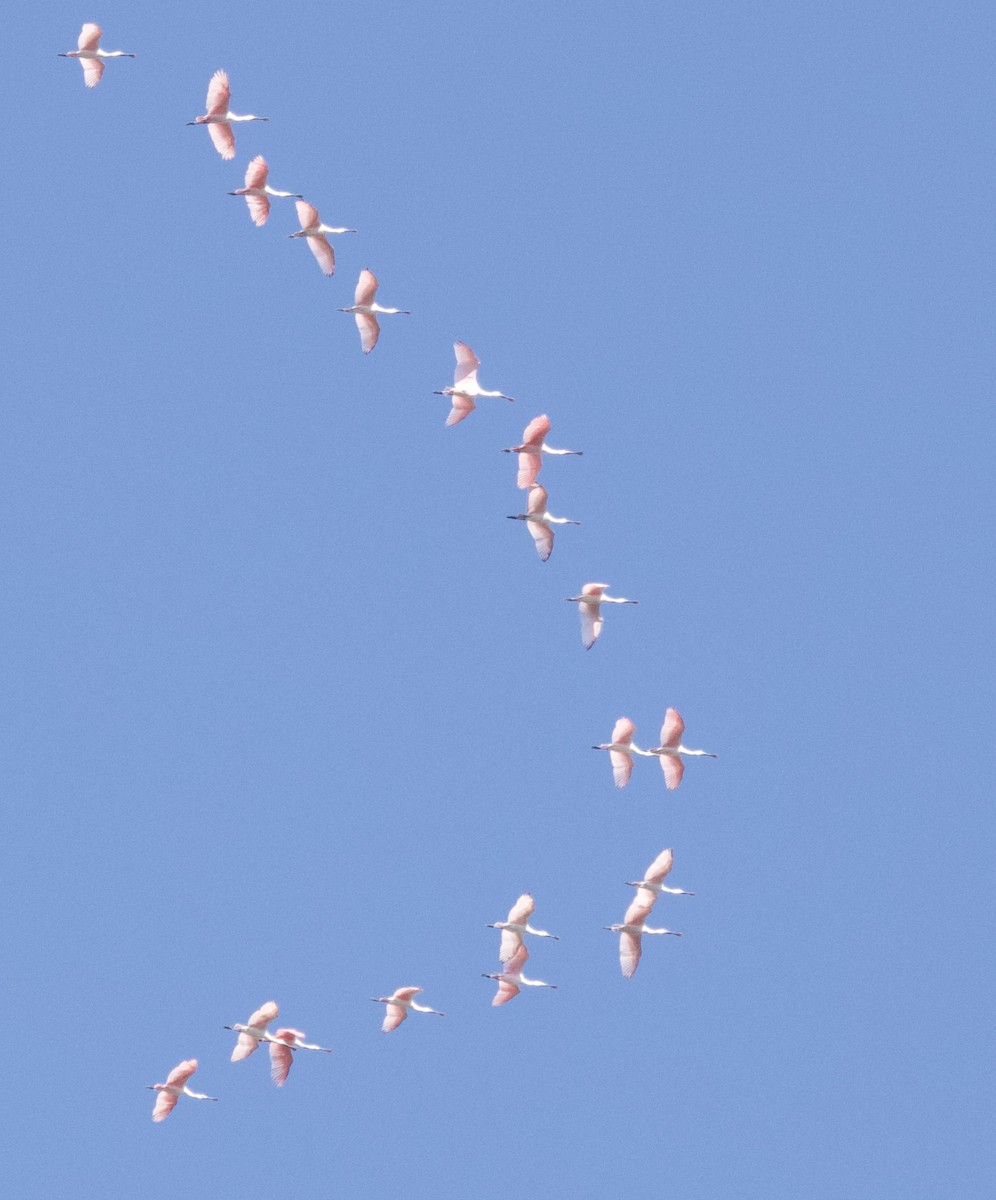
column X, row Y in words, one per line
column 291, row 711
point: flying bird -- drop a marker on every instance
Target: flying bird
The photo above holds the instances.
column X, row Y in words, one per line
column 91, row 56
column 621, row 750
column 652, row 883
column 175, row 1087
column 283, row 1043
column 532, row 450
column 517, row 924
column 465, row 386
column 258, row 192
column 511, row 980
column 670, row 750
column 218, row 119
column 365, row 309
column 398, row 1004
column 538, row 521
column 254, row 1031
column 313, row 229
column 631, row 931
column 589, row 605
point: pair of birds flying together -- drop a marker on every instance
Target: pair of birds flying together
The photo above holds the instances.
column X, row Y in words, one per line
column 669, row 753
column 634, row 923
column 513, row 953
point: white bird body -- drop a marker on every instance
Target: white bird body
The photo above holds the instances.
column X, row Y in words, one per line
column 313, row 229
column 91, row 56
column 398, row 1004
column 511, row 980
column 631, row 931
column 465, row 387
column 589, row 606
column 532, row 449
column 254, row 1030
column 218, row 118
column 671, row 751
column 365, row 309
column 175, row 1087
column 516, row 926
column 538, row 520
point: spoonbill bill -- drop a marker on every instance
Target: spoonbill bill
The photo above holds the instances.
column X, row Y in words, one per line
column 465, row 386
column 631, row 931
column 398, row 1004
column 254, row 1030
column 589, row 605
column 258, row 192
column 532, row 450
column 91, row 57
column 517, row 924
column 652, row 883
column 313, row 229
column 175, row 1087
column 538, row 520
column 670, row 751
column 511, row 980
column 218, row 119
column 621, row 750
column 283, row 1043
column 365, row 308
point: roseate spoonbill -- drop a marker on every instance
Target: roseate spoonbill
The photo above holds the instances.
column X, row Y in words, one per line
column 621, row 750
column 538, row 521
column 511, row 980
column 398, row 1004
column 517, row 925
column 465, row 386
column 670, row 748
column 254, row 1031
column 589, row 605
column 283, row 1043
column 365, row 309
column 218, row 119
column 532, row 450
column 175, row 1087
column 651, row 885
column 257, row 191
column 313, row 229
column 631, row 930
column 91, row 56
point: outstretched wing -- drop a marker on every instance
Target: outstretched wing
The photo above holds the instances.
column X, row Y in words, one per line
column 281, row 1058
column 369, row 330
column 395, row 1014
column 219, row 94
column 673, row 768
column 672, row 729
column 629, row 954
column 321, row 248
column 90, row 36
column 165, row 1103
column 223, row 138
column 93, row 69
column 463, row 406
column 591, row 624
column 465, row 372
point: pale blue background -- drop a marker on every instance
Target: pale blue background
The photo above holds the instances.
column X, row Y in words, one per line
column 292, row 711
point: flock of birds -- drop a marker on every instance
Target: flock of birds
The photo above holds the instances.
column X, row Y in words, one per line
column 513, row 954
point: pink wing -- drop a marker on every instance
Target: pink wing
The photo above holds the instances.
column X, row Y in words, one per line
column 629, row 954
column 259, row 208
column 536, row 431
column 518, row 960
column 463, row 406
column 529, row 468
column 165, row 1103
column 510, row 942
column 366, row 287
column 467, row 363
column 591, row 624
column 522, row 909
column 281, row 1058
column 537, row 500
column 264, row 1015
column 93, row 69
column 672, row 729
column 395, row 1014
column 181, row 1073
column 639, row 908
column 369, row 329
column 622, row 767
column 223, row 138
column 321, row 248
column 505, row 992
column 219, row 93
column 623, row 730
column 673, row 769
column 542, row 535
column 244, row 1047
column 307, row 214
column 660, row 868
column 90, row 36
column 257, row 172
